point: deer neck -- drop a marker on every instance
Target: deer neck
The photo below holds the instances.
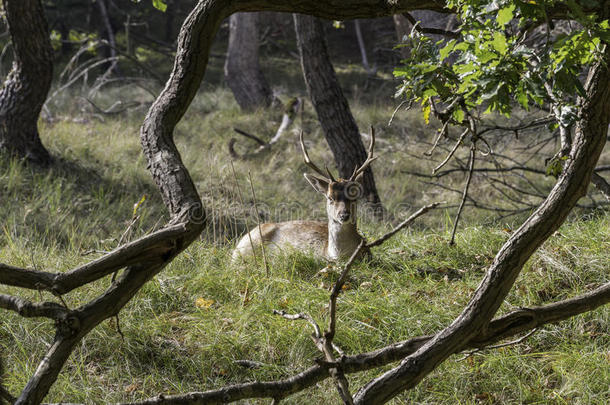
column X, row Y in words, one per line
column 343, row 239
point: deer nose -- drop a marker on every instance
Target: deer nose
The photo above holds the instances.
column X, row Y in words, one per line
column 344, row 216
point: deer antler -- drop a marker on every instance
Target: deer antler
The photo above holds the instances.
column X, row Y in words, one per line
column 369, row 158
column 309, row 163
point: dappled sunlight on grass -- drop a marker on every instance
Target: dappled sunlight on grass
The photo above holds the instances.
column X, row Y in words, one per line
column 189, row 326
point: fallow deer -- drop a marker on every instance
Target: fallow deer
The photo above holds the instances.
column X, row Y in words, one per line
column 336, row 239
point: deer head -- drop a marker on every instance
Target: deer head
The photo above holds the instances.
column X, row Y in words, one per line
column 341, row 194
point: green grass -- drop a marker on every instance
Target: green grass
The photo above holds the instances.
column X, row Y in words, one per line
column 185, row 329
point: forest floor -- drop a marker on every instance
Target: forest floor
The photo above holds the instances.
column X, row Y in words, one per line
column 187, row 328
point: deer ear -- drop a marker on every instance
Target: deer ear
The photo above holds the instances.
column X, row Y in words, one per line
column 320, row 185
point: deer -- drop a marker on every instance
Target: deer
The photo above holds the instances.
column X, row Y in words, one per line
column 333, row 240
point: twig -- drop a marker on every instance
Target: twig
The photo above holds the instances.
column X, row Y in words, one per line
column 473, row 149
column 396, row 111
column 330, row 333
column 326, row 344
column 535, row 123
column 452, row 152
column 118, row 326
column 477, row 170
column 29, row 309
column 511, row 343
column 143, row 249
column 442, row 132
column 110, row 110
column 78, row 76
column 434, row 31
column 258, row 221
column 403, row 224
column 253, row 137
column 293, row 317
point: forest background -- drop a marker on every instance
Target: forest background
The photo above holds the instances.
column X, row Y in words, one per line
column 204, row 323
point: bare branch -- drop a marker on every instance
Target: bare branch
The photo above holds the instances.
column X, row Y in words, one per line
column 433, row 31
column 478, row 170
column 452, row 152
column 505, row 344
column 253, row 137
column 473, row 149
column 29, row 309
column 403, row 224
column 590, row 136
column 294, row 317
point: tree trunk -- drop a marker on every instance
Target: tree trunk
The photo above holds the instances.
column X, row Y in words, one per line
column 27, row 85
column 340, row 128
column 242, row 70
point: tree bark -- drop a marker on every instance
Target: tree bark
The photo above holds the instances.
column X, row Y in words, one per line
column 338, row 123
column 242, row 70
column 27, row 84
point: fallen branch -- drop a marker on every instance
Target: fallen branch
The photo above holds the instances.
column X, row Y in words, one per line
column 291, row 110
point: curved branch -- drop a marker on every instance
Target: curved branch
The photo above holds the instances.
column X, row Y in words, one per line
column 29, row 309
column 149, row 248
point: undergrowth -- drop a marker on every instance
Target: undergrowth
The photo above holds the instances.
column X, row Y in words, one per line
column 187, row 328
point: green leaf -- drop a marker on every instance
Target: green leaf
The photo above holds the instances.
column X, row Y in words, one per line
column 505, row 15
column 446, row 50
column 458, row 115
column 522, row 98
column 499, row 43
column 554, row 167
column 159, row 5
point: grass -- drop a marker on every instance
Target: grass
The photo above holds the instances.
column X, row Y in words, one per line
column 186, row 328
